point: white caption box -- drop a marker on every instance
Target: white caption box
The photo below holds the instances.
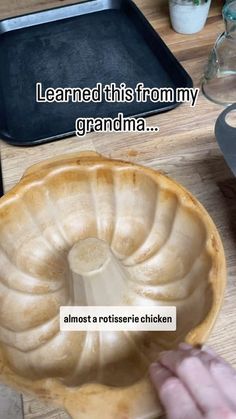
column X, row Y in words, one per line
column 117, row 318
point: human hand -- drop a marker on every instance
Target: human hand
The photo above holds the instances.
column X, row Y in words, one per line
column 195, row 384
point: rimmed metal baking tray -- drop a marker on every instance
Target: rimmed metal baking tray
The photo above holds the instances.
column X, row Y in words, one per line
column 98, row 41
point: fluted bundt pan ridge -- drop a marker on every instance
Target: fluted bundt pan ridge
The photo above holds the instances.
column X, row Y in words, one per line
column 158, row 246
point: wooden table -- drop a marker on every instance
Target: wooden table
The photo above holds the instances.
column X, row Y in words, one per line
column 185, row 148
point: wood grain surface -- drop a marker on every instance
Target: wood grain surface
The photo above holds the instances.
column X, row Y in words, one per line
column 185, row 149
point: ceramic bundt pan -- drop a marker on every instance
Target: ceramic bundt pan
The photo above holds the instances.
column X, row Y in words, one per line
column 163, row 249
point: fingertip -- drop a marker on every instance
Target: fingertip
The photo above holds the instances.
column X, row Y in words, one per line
column 184, row 346
column 163, row 354
column 158, row 375
column 156, row 369
column 166, row 357
column 154, row 366
column 209, row 350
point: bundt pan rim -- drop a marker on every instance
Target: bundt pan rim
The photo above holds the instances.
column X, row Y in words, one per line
column 83, row 402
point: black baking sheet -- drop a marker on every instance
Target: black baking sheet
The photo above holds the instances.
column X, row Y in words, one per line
column 101, row 41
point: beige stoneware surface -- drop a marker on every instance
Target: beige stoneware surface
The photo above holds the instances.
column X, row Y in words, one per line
column 159, row 234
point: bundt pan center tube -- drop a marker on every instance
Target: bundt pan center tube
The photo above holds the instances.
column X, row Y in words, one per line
column 93, row 267
column 82, row 229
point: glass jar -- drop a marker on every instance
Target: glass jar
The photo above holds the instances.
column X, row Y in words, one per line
column 219, row 81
